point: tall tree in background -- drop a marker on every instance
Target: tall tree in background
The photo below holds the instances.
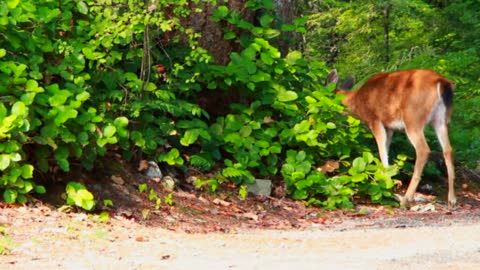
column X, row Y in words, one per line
column 368, row 36
column 212, row 33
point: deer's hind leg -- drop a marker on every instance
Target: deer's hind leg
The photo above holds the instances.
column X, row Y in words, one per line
column 441, row 129
column 422, row 151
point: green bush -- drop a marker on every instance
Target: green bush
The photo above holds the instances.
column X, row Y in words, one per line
column 82, row 76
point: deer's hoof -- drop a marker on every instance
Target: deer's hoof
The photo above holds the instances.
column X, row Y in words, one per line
column 405, row 202
column 452, row 202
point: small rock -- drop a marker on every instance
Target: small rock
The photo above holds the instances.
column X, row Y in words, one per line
column 153, row 170
column 168, row 183
column 426, row 188
column 260, row 187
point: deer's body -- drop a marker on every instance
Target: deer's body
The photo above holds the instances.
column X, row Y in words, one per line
column 406, row 100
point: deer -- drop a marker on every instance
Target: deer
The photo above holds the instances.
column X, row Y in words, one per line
column 405, row 100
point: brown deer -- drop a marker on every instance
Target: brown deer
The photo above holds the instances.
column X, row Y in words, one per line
column 405, row 100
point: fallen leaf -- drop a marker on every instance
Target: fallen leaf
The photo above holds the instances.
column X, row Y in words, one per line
column 321, row 220
column 143, row 165
column 249, row 215
column 221, row 202
column 329, row 166
column 268, row 120
column 141, row 239
column 118, row 180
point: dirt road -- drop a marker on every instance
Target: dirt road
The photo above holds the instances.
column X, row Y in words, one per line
column 78, row 242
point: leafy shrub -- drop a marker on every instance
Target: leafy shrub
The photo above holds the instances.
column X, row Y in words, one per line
column 291, row 110
column 78, row 195
column 85, row 77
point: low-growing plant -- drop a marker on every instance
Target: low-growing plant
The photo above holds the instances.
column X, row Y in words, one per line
column 6, row 243
column 77, row 194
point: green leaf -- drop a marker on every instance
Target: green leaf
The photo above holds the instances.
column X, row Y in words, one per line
column 77, row 194
column 64, row 164
column 359, row 165
column 10, row 196
column 59, row 98
column 301, row 127
column 358, row 177
column 285, row 96
column 27, row 187
column 4, row 161
column 12, row 3
column 368, row 157
column 121, row 121
column 292, row 57
column 3, row 52
column 82, row 7
column 83, row 96
column 301, row 155
column 27, row 98
column 109, row 131
column 266, row 19
column 65, row 114
column 229, row 35
column 172, row 157
column 266, row 58
column 221, row 12
column 19, row 108
column 142, row 188
column 62, row 152
column 271, row 33
column 245, row 131
column 27, row 171
column 22, row 198
column 190, row 137
column 331, row 125
column 268, row 4
column 40, row 189
column 305, row 183
column 243, row 192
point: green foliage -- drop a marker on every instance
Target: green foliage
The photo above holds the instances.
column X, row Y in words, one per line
column 6, row 243
column 142, row 188
column 366, row 177
column 107, row 202
column 291, row 110
column 80, row 78
column 78, row 195
column 103, row 217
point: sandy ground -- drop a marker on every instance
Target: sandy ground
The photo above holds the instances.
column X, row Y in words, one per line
column 52, row 240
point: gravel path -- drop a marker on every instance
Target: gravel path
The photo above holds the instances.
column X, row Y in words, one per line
column 79, row 243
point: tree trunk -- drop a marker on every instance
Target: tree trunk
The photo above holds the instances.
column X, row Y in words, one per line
column 212, row 32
